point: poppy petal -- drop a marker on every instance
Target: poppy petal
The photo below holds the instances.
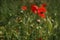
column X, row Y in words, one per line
column 24, row 8
column 34, row 8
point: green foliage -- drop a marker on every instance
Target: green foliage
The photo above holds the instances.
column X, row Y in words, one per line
column 16, row 24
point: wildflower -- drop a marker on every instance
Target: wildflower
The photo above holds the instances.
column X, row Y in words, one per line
column 34, row 8
column 24, row 8
column 41, row 11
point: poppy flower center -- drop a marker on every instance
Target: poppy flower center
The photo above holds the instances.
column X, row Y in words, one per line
column 41, row 12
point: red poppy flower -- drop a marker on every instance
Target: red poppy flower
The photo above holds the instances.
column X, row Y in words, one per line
column 34, row 8
column 24, row 8
column 41, row 11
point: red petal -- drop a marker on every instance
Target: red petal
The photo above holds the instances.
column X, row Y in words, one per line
column 41, row 9
column 42, row 15
column 34, row 8
column 24, row 8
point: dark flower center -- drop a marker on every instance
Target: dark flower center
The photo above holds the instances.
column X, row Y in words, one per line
column 41, row 12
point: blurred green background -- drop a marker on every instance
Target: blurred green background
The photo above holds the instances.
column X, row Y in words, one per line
column 16, row 24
